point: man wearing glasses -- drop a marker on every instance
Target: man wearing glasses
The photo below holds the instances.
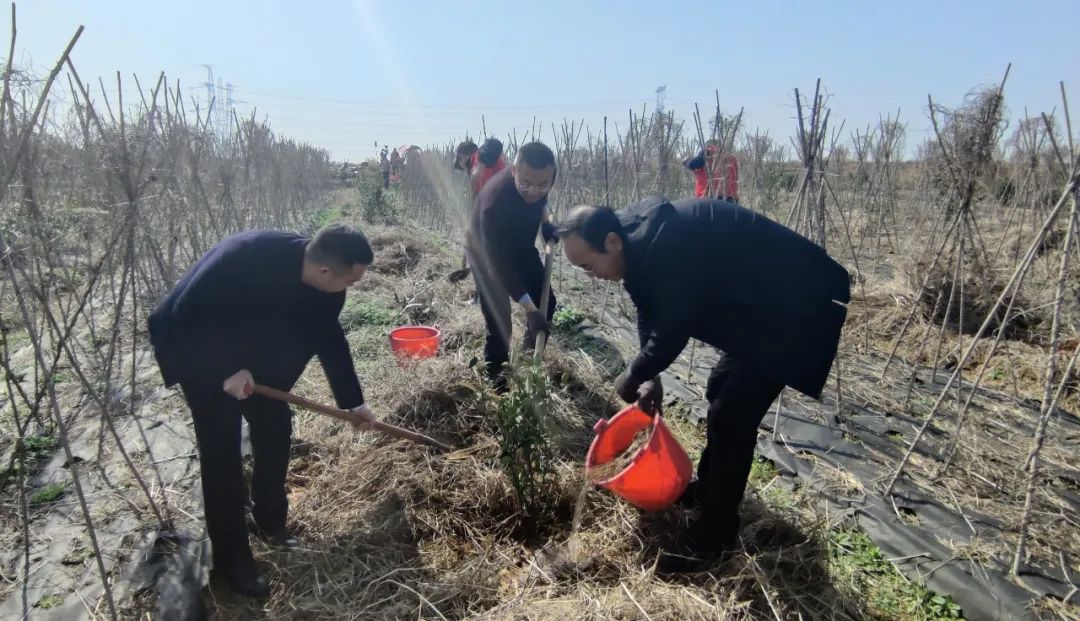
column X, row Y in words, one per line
column 772, row 300
column 501, row 247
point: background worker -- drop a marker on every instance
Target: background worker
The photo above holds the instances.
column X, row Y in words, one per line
column 715, row 175
column 479, row 163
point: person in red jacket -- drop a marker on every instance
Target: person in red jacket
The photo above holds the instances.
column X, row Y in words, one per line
column 479, row 163
column 715, row 175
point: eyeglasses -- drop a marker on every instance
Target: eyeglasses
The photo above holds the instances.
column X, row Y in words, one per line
column 528, row 187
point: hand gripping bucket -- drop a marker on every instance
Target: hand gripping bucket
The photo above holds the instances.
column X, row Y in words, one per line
column 660, row 471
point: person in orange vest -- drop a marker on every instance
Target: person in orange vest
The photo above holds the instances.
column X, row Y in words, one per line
column 715, row 175
column 479, row 163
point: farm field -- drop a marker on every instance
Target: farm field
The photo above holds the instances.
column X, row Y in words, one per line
column 937, row 478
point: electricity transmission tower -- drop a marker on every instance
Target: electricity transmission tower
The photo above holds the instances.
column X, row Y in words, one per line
column 220, row 102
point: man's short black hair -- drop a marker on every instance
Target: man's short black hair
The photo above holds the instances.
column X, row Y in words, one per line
column 537, row 155
column 339, row 247
column 593, row 224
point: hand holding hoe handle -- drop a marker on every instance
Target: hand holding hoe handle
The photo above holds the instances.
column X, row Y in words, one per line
column 339, row 414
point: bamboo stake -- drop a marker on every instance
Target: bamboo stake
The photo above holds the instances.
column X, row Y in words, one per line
column 1013, row 282
column 1048, row 401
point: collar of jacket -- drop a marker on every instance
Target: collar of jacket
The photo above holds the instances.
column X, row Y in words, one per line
column 641, row 223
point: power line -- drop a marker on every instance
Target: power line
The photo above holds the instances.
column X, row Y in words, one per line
column 416, row 114
column 386, row 104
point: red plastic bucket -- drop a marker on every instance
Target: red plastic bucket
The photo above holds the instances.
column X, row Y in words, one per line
column 660, row 471
column 415, row 342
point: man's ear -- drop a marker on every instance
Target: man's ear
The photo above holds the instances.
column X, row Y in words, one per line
column 613, row 244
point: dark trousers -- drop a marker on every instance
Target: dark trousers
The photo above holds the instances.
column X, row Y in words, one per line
column 217, row 431
column 495, row 304
column 738, row 399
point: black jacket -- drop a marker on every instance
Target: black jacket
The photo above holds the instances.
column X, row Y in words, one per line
column 720, row 273
column 243, row 306
column 501, row 239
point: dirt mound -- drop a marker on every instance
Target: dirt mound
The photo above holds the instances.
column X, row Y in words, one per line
column 963, row 306
column 452, row 411
column 399, row 250
column 463, row 333
column 397, row 258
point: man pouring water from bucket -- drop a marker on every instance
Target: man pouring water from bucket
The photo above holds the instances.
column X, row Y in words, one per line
column 770, row 299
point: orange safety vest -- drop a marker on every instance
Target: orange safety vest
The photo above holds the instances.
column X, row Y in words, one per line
column 725, row 181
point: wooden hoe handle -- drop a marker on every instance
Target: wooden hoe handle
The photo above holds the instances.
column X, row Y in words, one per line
column 343, row 415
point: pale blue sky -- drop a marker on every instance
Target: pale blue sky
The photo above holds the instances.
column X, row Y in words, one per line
column 344, row 74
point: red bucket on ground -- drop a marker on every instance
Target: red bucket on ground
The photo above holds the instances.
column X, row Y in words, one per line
column 415, row 342
column 660, row 471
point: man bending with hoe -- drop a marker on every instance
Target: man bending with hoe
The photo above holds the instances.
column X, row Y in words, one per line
column 501, row 247
column 256, row 308
column 771, row 300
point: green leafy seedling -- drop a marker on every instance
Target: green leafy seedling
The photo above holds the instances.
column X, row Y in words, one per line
column 47, row 494
column 49, row 601
column 525, row 452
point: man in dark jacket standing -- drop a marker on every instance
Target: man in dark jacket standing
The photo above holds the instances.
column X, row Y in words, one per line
column 256, row 307
column 771, row 300
column 501, row 248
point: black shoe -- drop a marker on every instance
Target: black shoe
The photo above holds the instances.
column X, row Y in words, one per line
column 499, row 384
column 697, row 549
column 278, row 537
column 243, row 578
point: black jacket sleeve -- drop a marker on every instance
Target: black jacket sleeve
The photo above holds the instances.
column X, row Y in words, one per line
column 549, row 233
column 644, row 327
column 664, row 327
column 696, row 162
column 333, row 351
